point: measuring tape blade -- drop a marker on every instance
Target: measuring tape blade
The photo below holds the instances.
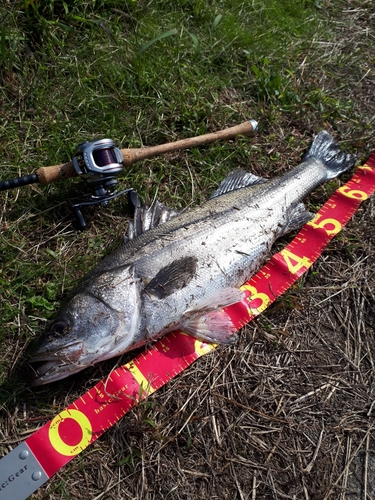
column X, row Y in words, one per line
column 48, row 449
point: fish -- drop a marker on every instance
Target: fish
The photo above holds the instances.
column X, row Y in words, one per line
column 178, row 270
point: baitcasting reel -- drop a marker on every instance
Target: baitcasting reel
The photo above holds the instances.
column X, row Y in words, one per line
column 98, row 163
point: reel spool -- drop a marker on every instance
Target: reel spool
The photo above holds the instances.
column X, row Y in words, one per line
column 97, row 163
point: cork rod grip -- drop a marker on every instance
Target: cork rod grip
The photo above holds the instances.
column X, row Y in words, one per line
column 132, row 155
column 46, row 175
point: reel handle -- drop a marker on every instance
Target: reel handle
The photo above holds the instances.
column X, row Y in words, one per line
column 46, row 175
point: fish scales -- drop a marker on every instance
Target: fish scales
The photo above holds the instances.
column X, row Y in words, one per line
column 183, row 272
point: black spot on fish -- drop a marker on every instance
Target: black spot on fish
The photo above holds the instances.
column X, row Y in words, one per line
column 172, row 277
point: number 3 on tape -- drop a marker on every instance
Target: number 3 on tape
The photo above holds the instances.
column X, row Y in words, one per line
column 257, row 301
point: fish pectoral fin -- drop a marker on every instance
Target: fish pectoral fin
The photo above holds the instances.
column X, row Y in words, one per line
column 223, row 298
column 237, row 179
column 296, row 219
column 172, row 277
column 207, row 321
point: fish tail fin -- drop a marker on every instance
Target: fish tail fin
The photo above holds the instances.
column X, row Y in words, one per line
column 326, row 149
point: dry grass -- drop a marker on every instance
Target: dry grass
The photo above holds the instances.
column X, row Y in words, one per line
column 287, row 413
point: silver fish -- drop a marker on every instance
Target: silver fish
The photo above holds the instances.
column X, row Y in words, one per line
column 178, row 274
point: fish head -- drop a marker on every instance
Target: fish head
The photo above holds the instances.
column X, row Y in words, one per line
column 87, row 329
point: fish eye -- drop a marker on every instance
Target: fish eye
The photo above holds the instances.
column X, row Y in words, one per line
column 59, row 327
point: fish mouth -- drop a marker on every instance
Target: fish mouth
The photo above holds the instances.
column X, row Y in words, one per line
column 46, row 367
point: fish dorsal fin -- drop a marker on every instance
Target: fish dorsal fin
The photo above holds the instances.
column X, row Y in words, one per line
column 172, row 277
column 150, row 216
column 147, row 217
column 237, row 179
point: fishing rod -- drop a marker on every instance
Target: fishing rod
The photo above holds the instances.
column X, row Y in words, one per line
column 101, row 158
column 99, row 162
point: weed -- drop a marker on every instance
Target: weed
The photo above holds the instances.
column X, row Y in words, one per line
column 130, row 459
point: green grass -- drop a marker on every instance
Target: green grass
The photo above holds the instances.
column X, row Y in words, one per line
column 148, row 72
column 144, row 73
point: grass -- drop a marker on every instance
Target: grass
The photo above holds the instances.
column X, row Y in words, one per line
column 145, row 73
column 141, row 73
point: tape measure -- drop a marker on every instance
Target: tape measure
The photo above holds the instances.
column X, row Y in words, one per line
column 46, row 451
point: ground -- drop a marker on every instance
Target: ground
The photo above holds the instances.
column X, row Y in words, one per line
column 288, row 412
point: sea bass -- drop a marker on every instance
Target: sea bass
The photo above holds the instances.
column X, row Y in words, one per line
column 181, row 273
